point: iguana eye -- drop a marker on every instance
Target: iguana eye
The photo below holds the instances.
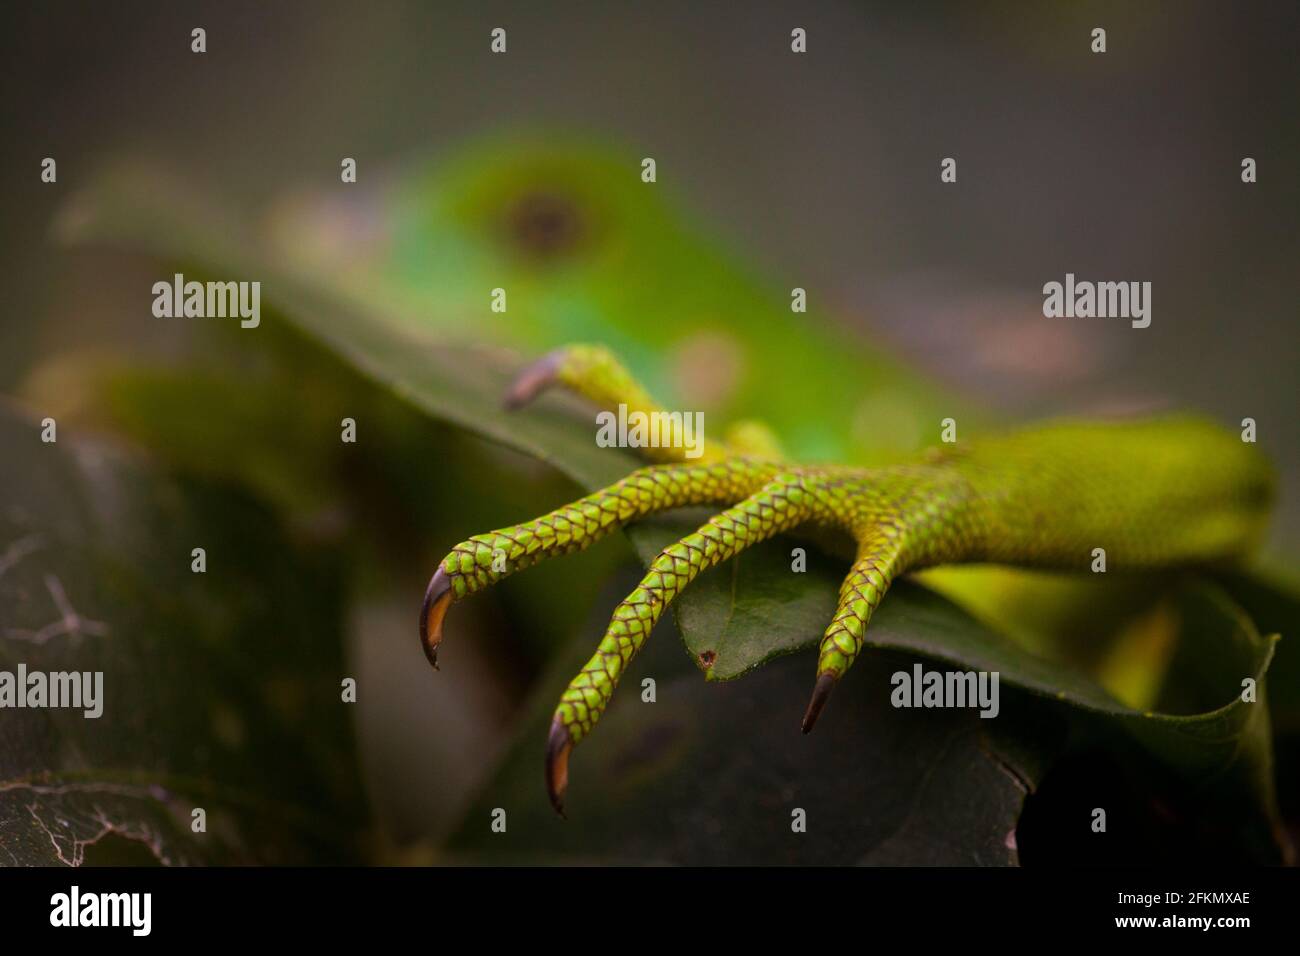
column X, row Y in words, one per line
column 545, row 225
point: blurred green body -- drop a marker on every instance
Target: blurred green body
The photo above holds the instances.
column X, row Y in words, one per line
column 587, row 252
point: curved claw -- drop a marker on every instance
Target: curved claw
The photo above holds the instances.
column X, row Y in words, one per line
column 535, row 378
column 558, row 747
column 436, row 601
column 821, row 693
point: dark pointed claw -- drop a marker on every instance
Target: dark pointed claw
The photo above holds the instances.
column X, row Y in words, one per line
column 533, row 380
column 821, row 692
column 436, row 601
column 558, row 746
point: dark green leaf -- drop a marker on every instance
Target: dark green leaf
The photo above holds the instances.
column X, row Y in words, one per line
column 712, row 773
column 221, row 690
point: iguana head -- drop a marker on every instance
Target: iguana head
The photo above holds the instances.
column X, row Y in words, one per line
column 582, row 248
column 585, row 250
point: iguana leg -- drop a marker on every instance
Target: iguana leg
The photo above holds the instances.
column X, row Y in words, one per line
column 781, row 504
column 594, row 372
column 720, row 477
column 895, row 513
column 873, row 571
column 1151, row 494
column 1147, row 494
column 488, row 558
column 589, row 370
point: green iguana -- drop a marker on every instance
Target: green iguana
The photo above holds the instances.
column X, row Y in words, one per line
column 826, row 429
column 827, row 426
column 1153, row 494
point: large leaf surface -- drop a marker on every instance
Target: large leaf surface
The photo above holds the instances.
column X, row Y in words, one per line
column 707, row 774
column 714, row 773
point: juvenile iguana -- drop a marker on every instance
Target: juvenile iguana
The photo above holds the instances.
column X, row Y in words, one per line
column 827, row 428
column 586, row 252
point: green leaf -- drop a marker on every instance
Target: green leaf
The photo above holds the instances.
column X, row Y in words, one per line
column 711, row 773
column 220, row 690
column 1274, row 605
column 754, row 609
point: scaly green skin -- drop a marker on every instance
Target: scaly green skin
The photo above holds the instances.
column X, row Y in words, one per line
column 1151, row 494
column 586, row 250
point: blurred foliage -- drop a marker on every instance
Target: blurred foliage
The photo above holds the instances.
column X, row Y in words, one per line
column 221, row 689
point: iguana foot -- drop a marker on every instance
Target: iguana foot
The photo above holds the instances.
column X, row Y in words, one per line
column 1153, row 494
column 894, row 518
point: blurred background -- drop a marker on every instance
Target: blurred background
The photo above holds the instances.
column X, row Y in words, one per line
column 821, row 170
